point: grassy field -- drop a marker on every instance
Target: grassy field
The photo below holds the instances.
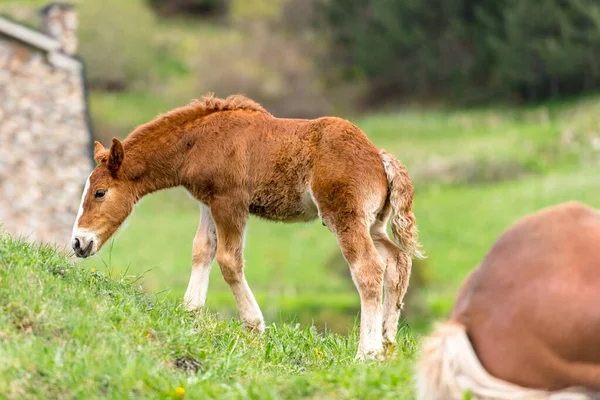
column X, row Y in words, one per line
column 87, row 330
column 70, row 333
column 112, row 326
column 475, row 171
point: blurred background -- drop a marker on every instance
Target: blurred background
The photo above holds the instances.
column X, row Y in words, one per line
column 491, row 104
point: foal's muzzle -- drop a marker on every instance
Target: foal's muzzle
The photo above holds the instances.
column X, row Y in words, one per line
column 82, row 247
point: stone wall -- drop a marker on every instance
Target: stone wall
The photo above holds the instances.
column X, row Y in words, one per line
column 44, row 144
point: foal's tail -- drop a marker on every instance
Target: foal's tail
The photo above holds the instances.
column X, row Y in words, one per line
column 401, row 189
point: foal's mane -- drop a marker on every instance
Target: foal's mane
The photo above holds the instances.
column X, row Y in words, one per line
column 197, row 109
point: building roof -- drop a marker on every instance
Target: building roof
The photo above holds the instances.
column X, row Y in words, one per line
column 62, row 6
column 40, row 41
column 55, row 57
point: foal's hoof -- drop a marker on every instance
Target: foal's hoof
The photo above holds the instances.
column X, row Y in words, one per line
column 389, row 347
column 257, row 326
column 373, row 355
column 193, row 308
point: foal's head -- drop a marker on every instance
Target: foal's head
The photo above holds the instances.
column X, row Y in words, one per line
column 108, row 199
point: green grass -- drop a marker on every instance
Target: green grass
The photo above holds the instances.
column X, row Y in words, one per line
column 66, row 333
column 78, row 334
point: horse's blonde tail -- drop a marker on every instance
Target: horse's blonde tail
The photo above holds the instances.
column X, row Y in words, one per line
column 401, row 189
column 435, row 375
column 448, row 369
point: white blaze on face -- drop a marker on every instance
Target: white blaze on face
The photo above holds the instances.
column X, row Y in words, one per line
column 80, row 212
column 83, row 235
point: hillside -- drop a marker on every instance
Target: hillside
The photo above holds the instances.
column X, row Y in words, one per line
column 67, row 332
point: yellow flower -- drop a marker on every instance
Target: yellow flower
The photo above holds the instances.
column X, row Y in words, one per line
column 317, row 353
column 93, row 270
column 179, row 391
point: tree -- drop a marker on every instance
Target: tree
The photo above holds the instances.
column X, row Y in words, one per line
column 476, row 48
column 547, row 49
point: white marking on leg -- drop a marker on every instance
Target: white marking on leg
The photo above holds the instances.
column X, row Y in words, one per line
column 390, row 295
column 392, row 292
column 367, row 270
column 204, row 246
column 250, row 313
column 390, row 319
column 233, row 269
column 197, row 290
column 370, row 345
column 249, row 309
column 390, row 298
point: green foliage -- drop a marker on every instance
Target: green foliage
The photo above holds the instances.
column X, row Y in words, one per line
column 195, row 8
column 256, row 10
column 66, row 332
column 477, row 48
column 117, row 42
column 402, row 47
column 547, row 49
column 368, row 52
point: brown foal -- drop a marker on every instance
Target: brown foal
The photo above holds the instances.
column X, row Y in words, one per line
column 531, row 314
column 237, row 159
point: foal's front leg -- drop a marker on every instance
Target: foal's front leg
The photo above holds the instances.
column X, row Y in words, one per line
column 203, row 254
column 230, row 220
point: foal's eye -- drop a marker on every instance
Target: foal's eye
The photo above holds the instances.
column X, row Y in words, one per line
column 99, row 194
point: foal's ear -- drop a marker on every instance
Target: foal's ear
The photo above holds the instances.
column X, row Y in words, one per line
column 98, row 149
column 116, row 155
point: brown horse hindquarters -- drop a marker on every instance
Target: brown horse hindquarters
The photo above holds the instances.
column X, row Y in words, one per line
column 350, row 187
column 531, row 310
column 533, row 314
column 348, row 180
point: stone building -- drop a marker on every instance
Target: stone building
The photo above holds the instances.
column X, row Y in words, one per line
column 45, row 131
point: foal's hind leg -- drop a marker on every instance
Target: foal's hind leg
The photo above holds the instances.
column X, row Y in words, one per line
column 230, row 220
column 397, row 272
column 203, row 254
column 367, row 272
